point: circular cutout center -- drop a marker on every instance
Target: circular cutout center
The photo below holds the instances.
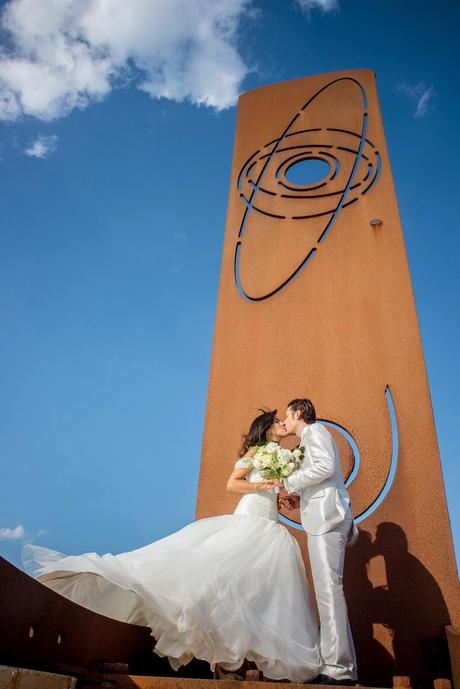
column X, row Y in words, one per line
column 308, row 171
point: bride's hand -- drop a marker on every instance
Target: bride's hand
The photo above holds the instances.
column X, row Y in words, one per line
column 266, row 486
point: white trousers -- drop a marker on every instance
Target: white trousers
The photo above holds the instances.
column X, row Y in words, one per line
column 327, row 554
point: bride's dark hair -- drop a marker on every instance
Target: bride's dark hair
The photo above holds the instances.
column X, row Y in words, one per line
column 257, row 434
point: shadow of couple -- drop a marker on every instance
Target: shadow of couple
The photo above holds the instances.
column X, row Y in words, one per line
column 409, row 610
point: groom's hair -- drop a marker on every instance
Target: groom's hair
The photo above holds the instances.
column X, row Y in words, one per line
column 306, row 409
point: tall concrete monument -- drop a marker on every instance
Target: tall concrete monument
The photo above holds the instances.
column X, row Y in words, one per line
column 315, row 300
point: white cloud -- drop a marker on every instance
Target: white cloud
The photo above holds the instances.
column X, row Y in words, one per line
column 12, row 534
column 423, row 103
column 421, row 95
column 42, row 146
column 64, row 54
column 18, row 533
column 324, row 5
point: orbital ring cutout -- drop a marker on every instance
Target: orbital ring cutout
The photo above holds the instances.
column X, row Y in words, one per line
column 309, row 197
column 353, row 162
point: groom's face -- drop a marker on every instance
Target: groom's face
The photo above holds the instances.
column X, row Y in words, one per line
column 290, row 422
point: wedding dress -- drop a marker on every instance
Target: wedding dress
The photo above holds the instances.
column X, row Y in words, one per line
column 222, row 589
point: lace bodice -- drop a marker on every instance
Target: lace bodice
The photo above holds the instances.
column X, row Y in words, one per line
column 256, row 504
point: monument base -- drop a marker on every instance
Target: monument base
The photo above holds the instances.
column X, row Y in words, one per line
column 18, row 678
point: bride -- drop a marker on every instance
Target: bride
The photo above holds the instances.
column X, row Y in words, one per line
column 222, row 589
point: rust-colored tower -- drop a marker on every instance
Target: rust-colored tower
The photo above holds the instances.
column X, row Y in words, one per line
column 315, row 300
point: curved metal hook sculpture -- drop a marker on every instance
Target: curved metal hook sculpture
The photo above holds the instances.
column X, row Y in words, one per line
column 354, row 471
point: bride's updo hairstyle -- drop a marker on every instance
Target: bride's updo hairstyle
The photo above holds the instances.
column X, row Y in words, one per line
column 257, row 434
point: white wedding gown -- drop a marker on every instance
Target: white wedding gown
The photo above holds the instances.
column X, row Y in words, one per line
column 221, row 589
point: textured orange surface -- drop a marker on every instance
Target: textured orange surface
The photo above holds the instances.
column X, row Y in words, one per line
column 339, row 331
column 453, row 638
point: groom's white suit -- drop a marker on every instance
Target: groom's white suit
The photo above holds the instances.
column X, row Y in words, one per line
column 327, row 518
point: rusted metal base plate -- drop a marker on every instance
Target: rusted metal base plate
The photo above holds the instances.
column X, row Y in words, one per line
column 18, row 678
column 132, row 681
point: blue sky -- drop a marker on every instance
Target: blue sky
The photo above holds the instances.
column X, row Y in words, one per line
column 116, row 132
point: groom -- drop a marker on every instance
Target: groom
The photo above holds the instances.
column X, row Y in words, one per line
column 328, row 520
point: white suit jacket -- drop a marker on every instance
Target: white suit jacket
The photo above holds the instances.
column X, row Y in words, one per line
column 324, row 500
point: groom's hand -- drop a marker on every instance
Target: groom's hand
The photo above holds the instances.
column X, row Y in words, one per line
column 290, row 502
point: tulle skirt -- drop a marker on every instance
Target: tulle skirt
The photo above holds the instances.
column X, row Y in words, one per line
column 221, row 589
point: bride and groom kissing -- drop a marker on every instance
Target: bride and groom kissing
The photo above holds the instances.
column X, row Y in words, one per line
column 231, row 588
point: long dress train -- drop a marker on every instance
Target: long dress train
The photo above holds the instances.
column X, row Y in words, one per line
column 221, row 589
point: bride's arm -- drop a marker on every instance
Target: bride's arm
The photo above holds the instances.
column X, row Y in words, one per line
column 237, row 481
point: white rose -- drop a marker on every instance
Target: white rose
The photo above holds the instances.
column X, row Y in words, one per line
column 284, row 455
column 260, row 460
column 286, row 471
column 297, row 453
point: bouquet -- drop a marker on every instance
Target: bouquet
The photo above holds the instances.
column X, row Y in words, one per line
column 275, row 462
